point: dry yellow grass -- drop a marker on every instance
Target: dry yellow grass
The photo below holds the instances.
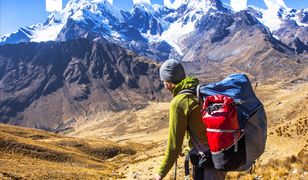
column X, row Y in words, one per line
column 293, row 167
column 34, row 154
column 286, row 107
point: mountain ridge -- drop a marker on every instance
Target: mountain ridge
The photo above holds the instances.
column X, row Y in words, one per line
column 46, row 85
column 157, row 25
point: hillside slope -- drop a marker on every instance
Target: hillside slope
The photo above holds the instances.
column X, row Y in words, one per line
column 34, row 154
column 47, row 85
column 286, row 154
column 141, row 137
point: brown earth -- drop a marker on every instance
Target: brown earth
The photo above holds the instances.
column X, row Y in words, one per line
column 287, row 145
column 140, row 137
column 34, row 154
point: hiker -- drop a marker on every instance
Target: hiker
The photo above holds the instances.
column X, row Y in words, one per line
column 184, row 117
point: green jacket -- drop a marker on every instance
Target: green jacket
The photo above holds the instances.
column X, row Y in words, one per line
column 184, row 112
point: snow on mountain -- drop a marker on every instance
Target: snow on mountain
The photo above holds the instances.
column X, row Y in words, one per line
column 270, row 17
column 168, row 3
column 275, row 4
column 49, row 33
column 178, row 3
column 238, row 5
column 146, row 23
column 148, row 20
column 185, row 23
column 141, row 1
column 299, row 16
column 79, row 11
column 274, row 17
column 94, row 7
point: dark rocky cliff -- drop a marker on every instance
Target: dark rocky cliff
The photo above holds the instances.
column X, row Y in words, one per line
column 47, row 85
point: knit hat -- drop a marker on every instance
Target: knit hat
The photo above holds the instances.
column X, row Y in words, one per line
column 172, row 70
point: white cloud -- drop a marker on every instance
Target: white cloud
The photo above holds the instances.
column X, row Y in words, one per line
column 238, row 5
column 168, row 3
column 141, row 1
column 99, row 1
column 53, row 5
column 275, row 4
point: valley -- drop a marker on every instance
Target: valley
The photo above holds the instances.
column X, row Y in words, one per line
column 130, row 144
column 81, row 96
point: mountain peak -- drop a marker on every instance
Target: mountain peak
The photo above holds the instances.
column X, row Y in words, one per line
column 196, row 3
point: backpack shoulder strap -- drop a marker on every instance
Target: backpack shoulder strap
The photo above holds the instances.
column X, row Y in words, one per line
column 194, row 91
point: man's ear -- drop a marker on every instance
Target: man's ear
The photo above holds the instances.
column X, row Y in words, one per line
column 169, row 85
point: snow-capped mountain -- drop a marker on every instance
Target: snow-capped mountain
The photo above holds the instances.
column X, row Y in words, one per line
column 276, row 13
column 285, row 23
column 148, row 29
column 153, row 30
column 86, row 70
column 184, row 19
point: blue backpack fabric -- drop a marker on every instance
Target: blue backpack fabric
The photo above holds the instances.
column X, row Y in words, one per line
column 251, row 113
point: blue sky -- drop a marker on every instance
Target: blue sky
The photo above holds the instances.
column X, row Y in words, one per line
column 17, row 13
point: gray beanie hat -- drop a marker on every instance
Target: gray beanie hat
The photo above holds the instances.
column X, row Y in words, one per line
column 172, row 70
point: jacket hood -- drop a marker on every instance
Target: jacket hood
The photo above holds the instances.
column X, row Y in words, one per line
column 187, row 83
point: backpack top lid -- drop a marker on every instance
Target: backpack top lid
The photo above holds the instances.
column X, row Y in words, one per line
column 236, row 86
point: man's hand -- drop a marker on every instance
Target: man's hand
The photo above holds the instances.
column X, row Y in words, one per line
column 157, row 177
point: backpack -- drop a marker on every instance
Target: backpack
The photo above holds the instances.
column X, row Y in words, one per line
column 226, row 138
column 236, row 122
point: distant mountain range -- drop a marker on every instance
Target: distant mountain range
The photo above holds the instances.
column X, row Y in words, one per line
column 157, row 30
column 101, row 58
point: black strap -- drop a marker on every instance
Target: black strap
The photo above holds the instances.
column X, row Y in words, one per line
column 186, row 165
column 189, row 91
column 194, row 91
column 213, row 107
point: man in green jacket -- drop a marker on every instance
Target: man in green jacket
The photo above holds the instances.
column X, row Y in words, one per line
column 184, row 114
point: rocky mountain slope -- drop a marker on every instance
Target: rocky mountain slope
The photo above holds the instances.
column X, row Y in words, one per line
column 46, row 85
column 239, row 42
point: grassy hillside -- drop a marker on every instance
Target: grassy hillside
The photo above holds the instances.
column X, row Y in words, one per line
column 286, row 150
column 141, row 137
column 34, row 154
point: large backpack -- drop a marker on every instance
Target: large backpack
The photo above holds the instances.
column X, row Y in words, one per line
column 236, row 140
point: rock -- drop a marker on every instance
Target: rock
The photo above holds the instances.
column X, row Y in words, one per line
column 294, row 171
